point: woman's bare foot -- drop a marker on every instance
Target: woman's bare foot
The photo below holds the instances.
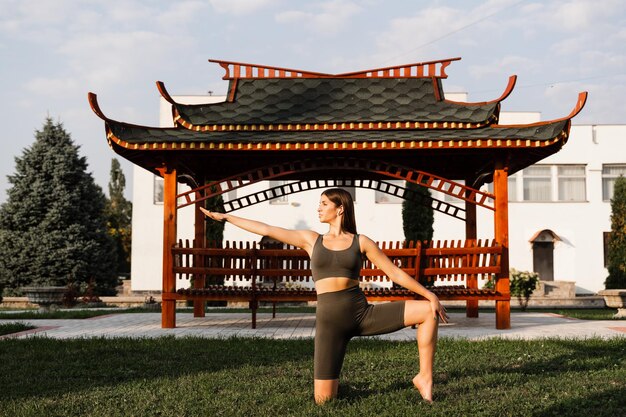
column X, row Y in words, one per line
column 424, row 386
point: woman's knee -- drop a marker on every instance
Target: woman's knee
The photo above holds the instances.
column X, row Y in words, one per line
column 417, row 312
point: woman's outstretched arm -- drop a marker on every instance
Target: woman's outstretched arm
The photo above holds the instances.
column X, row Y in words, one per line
column 397, row 275
column 304, row 239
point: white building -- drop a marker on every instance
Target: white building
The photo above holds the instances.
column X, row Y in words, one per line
column 559, row 210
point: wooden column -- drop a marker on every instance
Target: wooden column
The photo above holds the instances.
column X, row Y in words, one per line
column 501, row 228
column 168, row 306
column 199, row 306
column 471, row 306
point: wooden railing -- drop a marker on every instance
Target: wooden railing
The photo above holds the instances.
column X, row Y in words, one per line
column 245, row 271
column 425, row 261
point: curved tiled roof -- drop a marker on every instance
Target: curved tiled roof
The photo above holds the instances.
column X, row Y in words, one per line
column 335, row 100
column 132, row 134
column 399, row 112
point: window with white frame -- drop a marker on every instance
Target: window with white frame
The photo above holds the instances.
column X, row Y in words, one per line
column 157, row 190
column 610, row 173
column 511, row 187
column 537, row 180
column 386, row 198
column 554, row 183
column 283, row 199
column 571, row 183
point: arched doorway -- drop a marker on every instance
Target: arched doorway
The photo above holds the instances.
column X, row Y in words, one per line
column 543, row 253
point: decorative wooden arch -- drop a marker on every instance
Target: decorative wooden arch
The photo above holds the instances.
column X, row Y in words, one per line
column 361, row 127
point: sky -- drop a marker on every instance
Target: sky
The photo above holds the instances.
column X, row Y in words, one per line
column 53, row 52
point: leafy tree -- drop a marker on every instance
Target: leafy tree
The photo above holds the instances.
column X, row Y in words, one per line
column 417, row 213
column 119, row 215
column 617, row 240
column 52, row 226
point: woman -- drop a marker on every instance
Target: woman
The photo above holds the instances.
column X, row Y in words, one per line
column 342, row 309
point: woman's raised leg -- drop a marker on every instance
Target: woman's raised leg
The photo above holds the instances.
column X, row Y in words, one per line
column 420, row 313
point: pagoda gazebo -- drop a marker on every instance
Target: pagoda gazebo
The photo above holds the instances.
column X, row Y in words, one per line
column 357, row 129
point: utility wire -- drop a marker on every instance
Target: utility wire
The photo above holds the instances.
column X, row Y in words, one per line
column 551, row 84
column 454, row 31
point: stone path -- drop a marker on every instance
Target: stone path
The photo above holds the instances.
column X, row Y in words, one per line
column 302, row 325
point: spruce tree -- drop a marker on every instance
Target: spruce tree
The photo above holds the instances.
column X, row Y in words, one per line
column 214, row 236
column 417, row 213
column 52, row 226
column 119, row 215
column 617, row 240
column 215, row 230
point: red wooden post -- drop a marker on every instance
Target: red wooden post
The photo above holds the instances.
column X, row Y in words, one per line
column 501, row 227
column 198, row 260
column 168, row 307
column 471, row 306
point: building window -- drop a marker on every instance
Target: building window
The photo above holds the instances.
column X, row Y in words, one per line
column 512, row 187
column 385, row 198
column 281, row 199
column 157, row 193
column 537, row 183
column 610, row 173
column 554, row 183
column 571, row 182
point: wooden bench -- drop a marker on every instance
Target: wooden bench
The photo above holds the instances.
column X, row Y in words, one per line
column 248, row 272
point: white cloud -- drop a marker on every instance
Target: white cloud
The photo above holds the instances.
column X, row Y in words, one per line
column 578, row 15
column 240, row 7
column 506, row 65
column 50, row 86
column 292, row 16
column 103, row 58
column 333, row 17
column 181, row 12
column 604, row 99
column 409, row 38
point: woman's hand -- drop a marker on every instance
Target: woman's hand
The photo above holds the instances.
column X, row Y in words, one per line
column 220, row 217
column 438, row 309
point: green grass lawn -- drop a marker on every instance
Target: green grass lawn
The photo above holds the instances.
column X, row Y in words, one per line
column 8, row 328
column 255, row 377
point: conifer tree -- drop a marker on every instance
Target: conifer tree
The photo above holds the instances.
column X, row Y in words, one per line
column 617, row 239
column 52, row 226
column 119, row 216
column 214, row 236
column 417, row 214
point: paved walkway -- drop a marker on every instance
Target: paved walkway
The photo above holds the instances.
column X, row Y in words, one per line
column 299, row 325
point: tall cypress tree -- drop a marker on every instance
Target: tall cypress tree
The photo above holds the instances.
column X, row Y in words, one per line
column 119, row 216
column 52, row 227
column 417, row 213
column 617, row 241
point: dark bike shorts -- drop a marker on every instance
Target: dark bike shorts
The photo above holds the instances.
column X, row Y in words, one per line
column 341, row 315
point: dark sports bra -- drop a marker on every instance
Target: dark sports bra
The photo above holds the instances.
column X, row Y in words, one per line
column 326, row 263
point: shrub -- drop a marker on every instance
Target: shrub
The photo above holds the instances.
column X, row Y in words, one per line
column 522, row 284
